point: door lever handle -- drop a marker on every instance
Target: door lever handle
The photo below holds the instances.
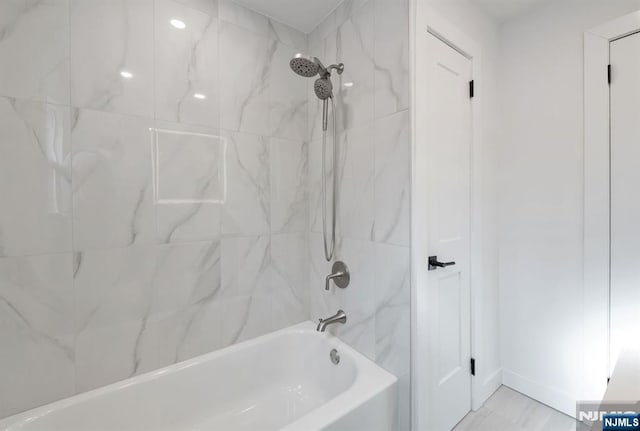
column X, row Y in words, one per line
column 435, row 264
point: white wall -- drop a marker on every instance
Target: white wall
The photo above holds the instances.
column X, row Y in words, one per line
column 540, row 206
column 528, row 185
column 469, row 19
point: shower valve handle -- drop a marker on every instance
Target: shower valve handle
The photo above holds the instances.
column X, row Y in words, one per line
column 339, row 274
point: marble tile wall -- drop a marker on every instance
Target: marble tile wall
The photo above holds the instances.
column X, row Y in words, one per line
column 154, row 185
column 371, row 37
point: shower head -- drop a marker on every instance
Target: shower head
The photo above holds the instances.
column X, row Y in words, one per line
column 306, row 66
column 323, row 88
column 309, row 66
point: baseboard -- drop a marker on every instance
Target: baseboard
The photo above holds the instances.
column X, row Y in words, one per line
column 552, row 397
column 489, row 385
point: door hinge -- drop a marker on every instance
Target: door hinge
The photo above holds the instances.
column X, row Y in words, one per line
column 471, row 85
column 609, row 73
column 473, row 366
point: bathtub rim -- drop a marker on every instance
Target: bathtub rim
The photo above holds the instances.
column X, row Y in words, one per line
column 370, row 380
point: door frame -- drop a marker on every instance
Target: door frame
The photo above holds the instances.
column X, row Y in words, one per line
column 424, row 18
column 597, row 240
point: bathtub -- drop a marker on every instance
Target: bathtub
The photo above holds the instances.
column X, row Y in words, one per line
column 285, row 381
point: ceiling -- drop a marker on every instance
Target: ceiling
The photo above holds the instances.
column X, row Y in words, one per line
column 304, row 15
column 504, row 10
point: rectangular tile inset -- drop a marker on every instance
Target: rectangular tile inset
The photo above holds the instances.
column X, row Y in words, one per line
column 189, row 167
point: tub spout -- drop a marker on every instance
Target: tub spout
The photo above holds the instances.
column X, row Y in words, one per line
column 339, row 317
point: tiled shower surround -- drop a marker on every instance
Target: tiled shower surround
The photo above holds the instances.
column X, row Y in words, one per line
column 161, row 186
column 372, row 39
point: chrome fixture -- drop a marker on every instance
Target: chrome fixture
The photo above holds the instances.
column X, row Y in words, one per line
column 308, row 67
column 339, row 317
column 334, row 356
column 339, row 274
column 323, row 89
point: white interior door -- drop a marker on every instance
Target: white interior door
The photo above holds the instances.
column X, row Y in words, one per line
column 625, row 194
column 449, row 139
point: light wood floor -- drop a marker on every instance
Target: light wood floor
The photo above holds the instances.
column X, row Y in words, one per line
column 508, row 410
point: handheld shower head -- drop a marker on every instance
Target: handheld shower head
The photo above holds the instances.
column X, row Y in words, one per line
column 305, row 66
column 308, row 67
column 323, row 88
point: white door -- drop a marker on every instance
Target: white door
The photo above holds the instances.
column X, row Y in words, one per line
column 625, row 194
column 449, row 139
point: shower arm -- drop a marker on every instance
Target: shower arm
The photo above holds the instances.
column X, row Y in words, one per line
column 325, row 72
column 337, row 67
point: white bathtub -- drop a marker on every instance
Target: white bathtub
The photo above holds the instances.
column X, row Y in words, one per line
column 281, row 381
